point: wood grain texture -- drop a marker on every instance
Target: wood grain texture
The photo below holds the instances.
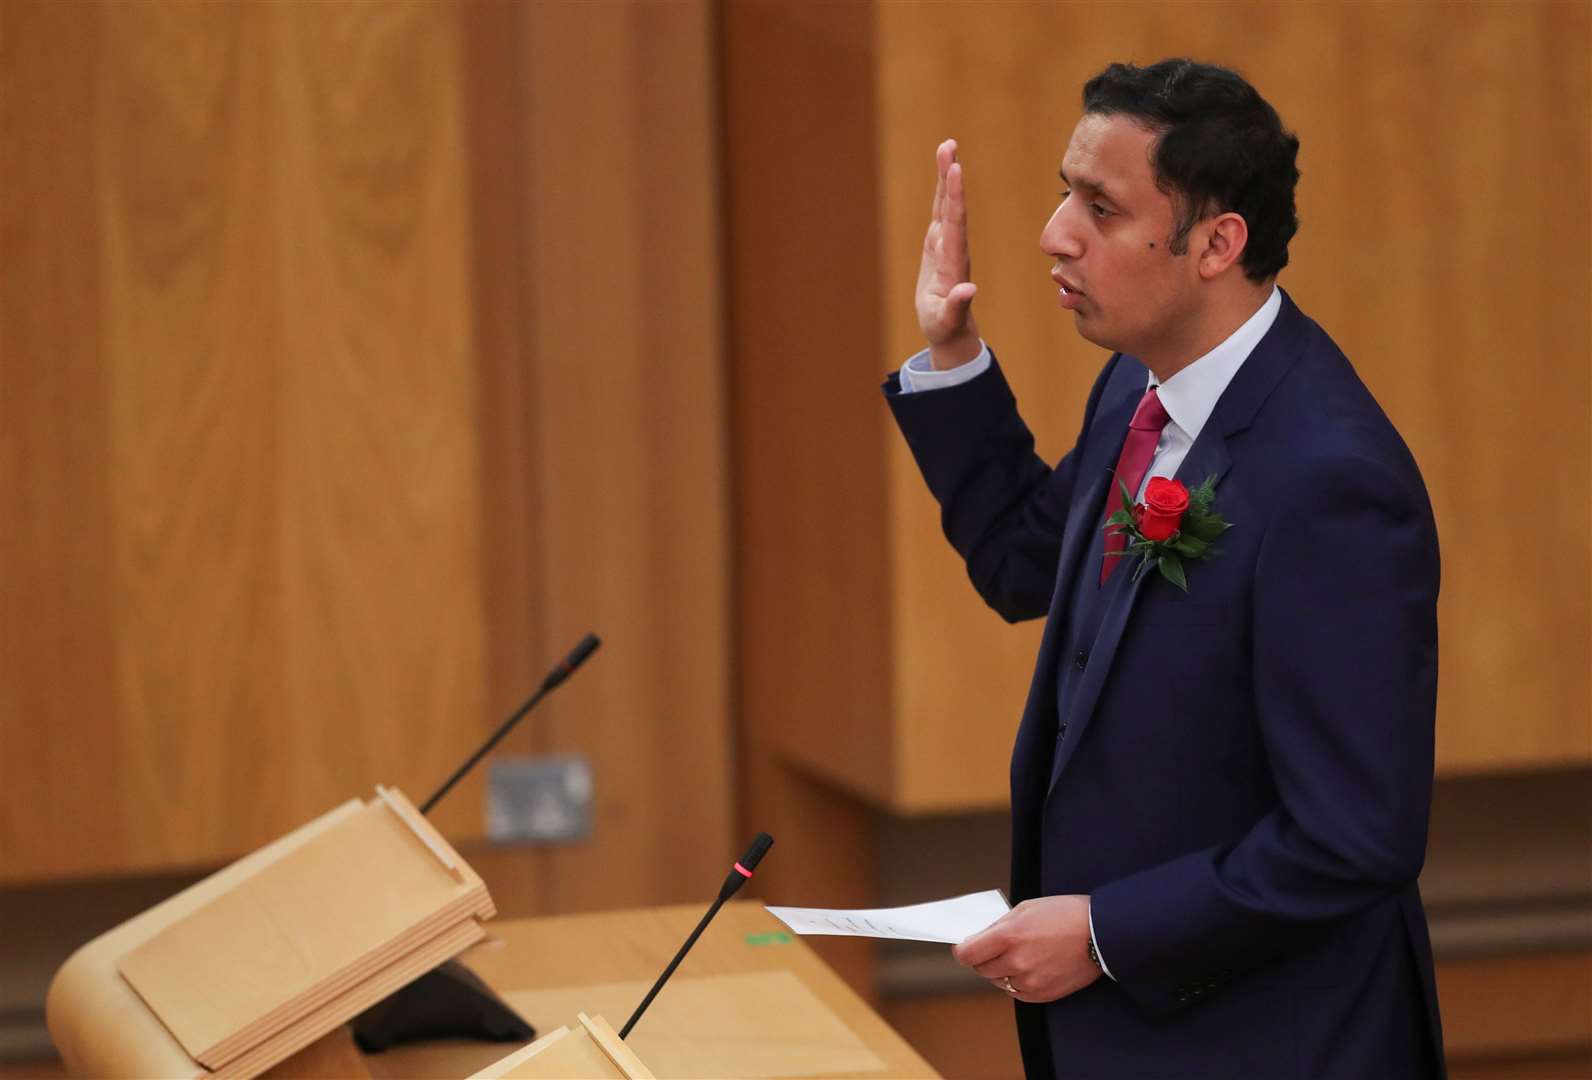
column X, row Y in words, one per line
column 383, row 530
column 1517, row 1005
column 748, row 1025
column 556, row 957
column 812, row 588
column 331, row 1055
column 1410, row 198
column 337, row 402
column 963, row 1035
column 186, row 340
column 496, row 101
column 812, row 611
column 88, row 998
column 57, row 647
column 631, row 454
column 276, row 437
column 102, row 1027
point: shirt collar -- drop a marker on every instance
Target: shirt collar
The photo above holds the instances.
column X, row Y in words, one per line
column 1190, row 396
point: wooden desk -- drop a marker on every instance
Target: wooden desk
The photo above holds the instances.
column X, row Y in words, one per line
column 551, row 968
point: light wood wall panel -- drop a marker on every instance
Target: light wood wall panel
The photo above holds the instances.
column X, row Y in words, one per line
column 54, row 437
column 812, row 613
column 188, row 337
column 357, row 359
column 624, row 317
column 274, row 214
column 382, row 516
column 1458, row 288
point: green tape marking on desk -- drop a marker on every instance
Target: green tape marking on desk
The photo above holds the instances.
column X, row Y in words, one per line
column 775, row 937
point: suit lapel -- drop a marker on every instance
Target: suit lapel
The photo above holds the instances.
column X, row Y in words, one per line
column 1036, row 737
column 1207, row 457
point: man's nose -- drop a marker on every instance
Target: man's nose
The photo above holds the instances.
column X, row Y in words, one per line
column 1058, row 238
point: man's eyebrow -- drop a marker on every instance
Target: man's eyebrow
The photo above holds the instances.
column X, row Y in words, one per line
column 1085, row 184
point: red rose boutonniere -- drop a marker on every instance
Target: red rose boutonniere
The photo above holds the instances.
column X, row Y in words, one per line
column 1171, row 524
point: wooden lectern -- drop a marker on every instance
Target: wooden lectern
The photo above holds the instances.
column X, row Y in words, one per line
column 751, row 1001
column 256, row 969
column 593, row 1051
column 260, row 960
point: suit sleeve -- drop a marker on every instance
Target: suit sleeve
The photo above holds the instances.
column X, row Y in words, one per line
column 1345, row 684
column 1001, row 506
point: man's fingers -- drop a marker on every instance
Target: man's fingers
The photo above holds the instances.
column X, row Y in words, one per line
column 943, row 292
column 944, row 154
column 953, row 223
column 944, row 158
column 997, row 968
column 961, row 294
column 955, row 211
column 980, row 948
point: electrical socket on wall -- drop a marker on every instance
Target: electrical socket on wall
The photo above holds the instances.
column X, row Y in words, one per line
column 538, row 800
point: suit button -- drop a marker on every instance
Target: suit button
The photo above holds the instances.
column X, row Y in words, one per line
column 1061, row 732
column 1182, row 996
column 1080, row 661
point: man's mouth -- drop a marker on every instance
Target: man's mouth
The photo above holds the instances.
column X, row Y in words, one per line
column 1070, row 295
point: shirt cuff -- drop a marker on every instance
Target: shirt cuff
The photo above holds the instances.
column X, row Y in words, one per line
column 918, row 374
column 1098, row 954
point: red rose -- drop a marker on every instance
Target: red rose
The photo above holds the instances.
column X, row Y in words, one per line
column 1160, row 515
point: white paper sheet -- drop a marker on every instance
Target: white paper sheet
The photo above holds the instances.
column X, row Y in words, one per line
column 949, row 921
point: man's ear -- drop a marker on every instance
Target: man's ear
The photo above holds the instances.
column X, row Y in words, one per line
column 1225, row 236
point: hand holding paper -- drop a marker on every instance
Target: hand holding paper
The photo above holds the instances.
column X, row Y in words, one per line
column 1038, row 953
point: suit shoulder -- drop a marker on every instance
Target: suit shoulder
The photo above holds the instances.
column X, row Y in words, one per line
column 1325, row 432
column 1327, row 405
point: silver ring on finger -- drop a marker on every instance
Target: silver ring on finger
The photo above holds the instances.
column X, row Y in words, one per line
column 1006, row 983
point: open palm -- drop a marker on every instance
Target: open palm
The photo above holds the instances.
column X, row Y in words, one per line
column 944, row 293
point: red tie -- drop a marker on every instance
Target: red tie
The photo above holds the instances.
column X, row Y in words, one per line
column 1144, row 433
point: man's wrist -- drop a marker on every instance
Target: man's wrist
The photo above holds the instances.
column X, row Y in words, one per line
column 1094, row 948
column 962, row 349
column 918, row 373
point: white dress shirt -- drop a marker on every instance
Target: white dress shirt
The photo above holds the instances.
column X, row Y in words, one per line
column 1189, row 398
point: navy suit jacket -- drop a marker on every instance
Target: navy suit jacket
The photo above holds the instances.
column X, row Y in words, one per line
column 1243, row 777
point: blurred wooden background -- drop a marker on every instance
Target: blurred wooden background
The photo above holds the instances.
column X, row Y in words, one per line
column 355, row 358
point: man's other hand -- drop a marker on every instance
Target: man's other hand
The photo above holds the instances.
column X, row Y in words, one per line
column 944, row 293
column 1041, row 945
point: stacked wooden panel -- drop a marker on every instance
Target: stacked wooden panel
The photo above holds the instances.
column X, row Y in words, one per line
column 370, row 899
column 591, row 1051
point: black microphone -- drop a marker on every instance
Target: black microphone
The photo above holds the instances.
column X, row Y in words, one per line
column 577, row 656
column 737, row 877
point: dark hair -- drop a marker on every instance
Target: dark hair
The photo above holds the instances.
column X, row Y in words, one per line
column 1220, row 147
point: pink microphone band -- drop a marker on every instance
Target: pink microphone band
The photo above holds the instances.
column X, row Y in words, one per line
column 743, row 871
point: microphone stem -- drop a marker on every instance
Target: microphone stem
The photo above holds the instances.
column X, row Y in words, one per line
column 497, row 737
column 679, row 956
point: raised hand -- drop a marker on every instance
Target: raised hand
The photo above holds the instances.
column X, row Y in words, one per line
column 944, row 293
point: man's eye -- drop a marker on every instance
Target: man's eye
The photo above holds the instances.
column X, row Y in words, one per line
column 1097, row 209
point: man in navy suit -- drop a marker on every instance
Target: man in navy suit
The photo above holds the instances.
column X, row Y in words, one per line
column 1221, row 782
